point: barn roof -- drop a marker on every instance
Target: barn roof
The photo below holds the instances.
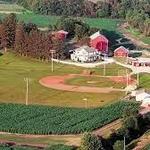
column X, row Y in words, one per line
column 123, row 48
column 62, row 31
column 97, row 34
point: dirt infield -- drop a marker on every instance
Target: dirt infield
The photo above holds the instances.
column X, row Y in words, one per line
column 58, row 83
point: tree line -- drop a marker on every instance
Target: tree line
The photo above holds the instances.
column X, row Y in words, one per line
column 105, row 8
column 27, row 40
column 136, row 12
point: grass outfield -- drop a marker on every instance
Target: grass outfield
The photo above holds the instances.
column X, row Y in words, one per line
column 145, row 81
column 13, row 70
column 58, row 120
column 94, row 82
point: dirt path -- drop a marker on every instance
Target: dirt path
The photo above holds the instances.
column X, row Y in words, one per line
column 69, row 139
column 108, row 129
column 58, row 83
column 143, row 141
column 134, row 39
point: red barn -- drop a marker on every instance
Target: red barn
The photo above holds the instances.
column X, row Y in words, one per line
column 61, row 35
column 99, row 42
column 121, row 52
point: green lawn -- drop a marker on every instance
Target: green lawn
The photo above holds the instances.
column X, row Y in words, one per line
column 14, row 69
column 94, row 82
column 145, row 81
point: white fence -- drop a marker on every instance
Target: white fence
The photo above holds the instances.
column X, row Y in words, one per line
column 85, row 65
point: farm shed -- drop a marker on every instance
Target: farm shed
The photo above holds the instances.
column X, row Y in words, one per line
column 84, row 54
column 121, row 52
column 146, row 102
column 145, row 62
column 142, row 96
column 61, row 35
column 99, row 42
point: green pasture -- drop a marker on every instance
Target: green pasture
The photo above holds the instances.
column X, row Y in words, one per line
column 13, row 70
column 94, row 82
column 137, row 34
column 45, row 21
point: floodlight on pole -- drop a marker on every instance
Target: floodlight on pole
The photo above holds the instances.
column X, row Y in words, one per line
column 86, row 102
column 138, row 77
column 52, row 61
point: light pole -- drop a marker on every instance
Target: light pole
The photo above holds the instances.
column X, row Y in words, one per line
column 52, row 62
column 27, row 80
column 124, row 141
column 86, row 102
column 137, row 77
column 104, row 73
column 127, row 76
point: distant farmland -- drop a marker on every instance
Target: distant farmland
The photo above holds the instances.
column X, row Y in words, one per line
column 7, row 8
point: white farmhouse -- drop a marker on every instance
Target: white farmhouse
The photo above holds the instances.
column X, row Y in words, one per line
column 85, row 54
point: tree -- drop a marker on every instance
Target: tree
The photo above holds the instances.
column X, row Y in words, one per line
column 91, row 142
column 130, row 119
column 119, row 145
column 147, row 26
column 81, row 30
column 19, row 38
column 104, row 11
column 59, row 47
column 75, row 27
column 9, row 29
column 29, row 27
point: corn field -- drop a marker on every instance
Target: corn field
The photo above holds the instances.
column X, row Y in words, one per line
column 16, row 118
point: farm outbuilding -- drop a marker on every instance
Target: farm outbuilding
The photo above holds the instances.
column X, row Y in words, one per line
column 99, row 42
column 142, row 96
column 137, row 62
column 84, row 54
column 61, row 35
column 121, row 52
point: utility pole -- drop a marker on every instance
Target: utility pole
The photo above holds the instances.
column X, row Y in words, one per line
column 124, row 147
column 104, row 70
column 127, row 81
column 27, row 80
column 127, row 76
column 52, row 62
column 138, row 79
